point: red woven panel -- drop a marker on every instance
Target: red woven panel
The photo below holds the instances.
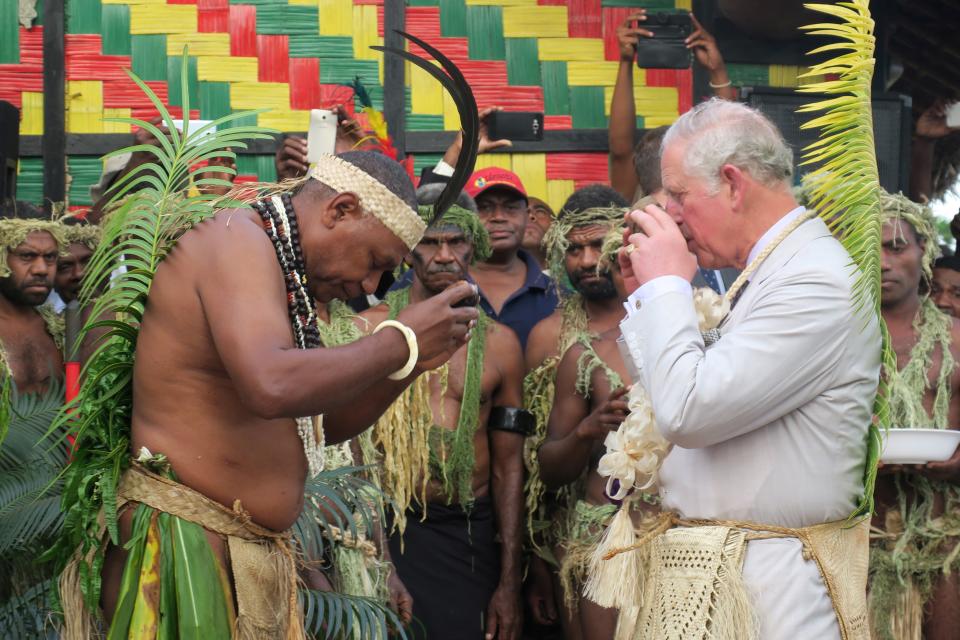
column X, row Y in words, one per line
column 332, row 95
column 31, row 48
column 176, row 112
column 243, row 30
column 682, row 79
column 181, row 1
column 457, row 49
column 510, row 98
column 557, row 123
column 214, row 18
column 124, row 94
column 485, row 73
column 83, row 44
column 85, row 67
column 380, row 20
column 304, row 83
column 274, row 64
column 424, row 22
column 585, row 168
column 583, row 18
column 612, row 17
column 28, row 74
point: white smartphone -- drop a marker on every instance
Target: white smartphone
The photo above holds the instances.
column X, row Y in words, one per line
column 953, row 115
column 195, row 125
column 322, row 136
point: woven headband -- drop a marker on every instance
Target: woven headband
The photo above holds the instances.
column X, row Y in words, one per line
column 395, row 214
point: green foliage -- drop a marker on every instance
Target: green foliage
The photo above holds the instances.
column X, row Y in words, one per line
column 845, row 190
column 29, row 514
column 333, row 616
column 151, row 209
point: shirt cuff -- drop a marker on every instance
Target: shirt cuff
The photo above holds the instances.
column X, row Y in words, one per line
column 654, row 289
column 443, row 169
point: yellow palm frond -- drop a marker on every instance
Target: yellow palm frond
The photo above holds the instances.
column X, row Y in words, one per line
column 845, row 188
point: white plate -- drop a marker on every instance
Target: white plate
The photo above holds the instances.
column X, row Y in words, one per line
column 919, row 446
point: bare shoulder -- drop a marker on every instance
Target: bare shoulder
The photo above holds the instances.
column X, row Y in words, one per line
column 502, row 339
column 542, row 341
column 373, row 316
column 955, row 339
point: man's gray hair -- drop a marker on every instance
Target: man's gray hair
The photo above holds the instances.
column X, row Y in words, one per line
column 719, row 132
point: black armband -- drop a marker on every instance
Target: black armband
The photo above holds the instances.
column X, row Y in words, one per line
column 511, row 419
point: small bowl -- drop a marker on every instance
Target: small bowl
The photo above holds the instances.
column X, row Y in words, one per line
column 918, row 446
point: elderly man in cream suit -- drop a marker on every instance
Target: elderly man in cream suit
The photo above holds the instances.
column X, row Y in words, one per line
column 769, row 422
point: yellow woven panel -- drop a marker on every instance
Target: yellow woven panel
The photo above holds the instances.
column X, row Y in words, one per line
column 557, row 192
column 85, row 106
column 451, row 119
column 532, row 169
column 501, row 160
column 309, row 3
column 336, row 17
column 684, row 4
column 226, row 69
column 784, row 75
column 116, row 127
column 426, row 94
column 201, row 44
column 537, row 22
column 31, row 121
column 285, row 120
column 652, row 101
column 598, row 73
column 260, row 95
column 365, row 32
column 163, row 18
column 571, row 49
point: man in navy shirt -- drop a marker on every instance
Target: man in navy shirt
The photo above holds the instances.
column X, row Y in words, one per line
column 513, row 289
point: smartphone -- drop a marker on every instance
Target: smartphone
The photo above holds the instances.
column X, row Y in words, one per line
column 195, row 125
column 953, row 115
column 524, row 126
column 322, row 136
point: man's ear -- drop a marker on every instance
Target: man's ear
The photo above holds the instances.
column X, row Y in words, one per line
column 736, row 182
column 341, row 207
column 408, row 259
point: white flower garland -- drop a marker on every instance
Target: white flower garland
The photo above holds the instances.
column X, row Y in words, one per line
column 636, row 449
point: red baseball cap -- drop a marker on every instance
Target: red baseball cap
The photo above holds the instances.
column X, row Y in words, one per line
column 490, row 177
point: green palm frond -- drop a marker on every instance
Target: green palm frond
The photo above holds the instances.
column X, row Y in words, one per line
column 337, row 499
column 845, row 189
column 30, row 514
column 151, row 208
column 329, row 615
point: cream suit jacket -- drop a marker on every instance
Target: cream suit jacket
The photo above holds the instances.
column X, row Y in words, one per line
column 769, row 423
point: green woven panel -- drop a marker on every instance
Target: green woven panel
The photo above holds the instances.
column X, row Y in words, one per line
column 335, row 71
column 174, row 69
column 149, row 56
column 307, row 46
column 214, row 100
column 423, row 160
column 556, row 92
column 245, row 121
column 423, row 3
column 115, row 29
column 521, row 62
column 485, row 31
column 422, row 122
column 586, row 107
column 647, row 4
column 749, row 74
column 259, row 165
column 453, row 18
column 640, row 123
column 30, row 180
column 38, row 21
column 9, row 32
column 83, row 16
column 284, row 19
column 84, row 171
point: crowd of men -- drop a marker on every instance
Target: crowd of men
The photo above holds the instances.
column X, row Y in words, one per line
column 491, row 458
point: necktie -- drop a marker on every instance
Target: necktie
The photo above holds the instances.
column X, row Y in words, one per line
column 712, row 278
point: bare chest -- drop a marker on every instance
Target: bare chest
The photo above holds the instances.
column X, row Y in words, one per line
column 31, row 354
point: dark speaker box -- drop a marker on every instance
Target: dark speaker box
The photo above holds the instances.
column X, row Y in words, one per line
column 892, row 129
column 9, row 149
